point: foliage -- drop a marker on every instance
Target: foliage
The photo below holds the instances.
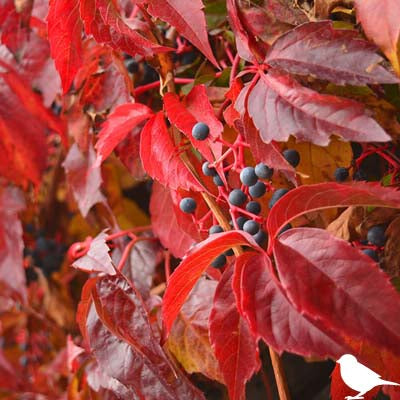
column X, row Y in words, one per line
column 110, row 288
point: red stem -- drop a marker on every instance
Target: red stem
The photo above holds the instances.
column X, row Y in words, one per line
column 125, row 254
column 167, row 265
column 128, row 231
column 235, row 66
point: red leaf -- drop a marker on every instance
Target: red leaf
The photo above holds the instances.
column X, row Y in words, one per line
column 102, row 20
column 84, row 306
column 65, row 32
column 119, row 123
column 98, row 380
column 22, row 159
column 326, row 195
column 234, row 345
column 279, row 107
column 187, row 18
column 166, row 225
column 161, row 158
column 273, row 318
column 332, row 282
column 267, row 20
column 119, row 331
column 380, row 20
column 32, row 102
column 247, row 46
column 72, row 352
column 106, row 88
column 195, row 108
column 83, row 178
column 338, row 56
column 6, row 8
column 12, row 274
column 268, row 153
column 97, row 258
column 37, row 67
column 14, row 21
column 23, row 124
column 192, row 266
column 141, row 264
column 128, row 151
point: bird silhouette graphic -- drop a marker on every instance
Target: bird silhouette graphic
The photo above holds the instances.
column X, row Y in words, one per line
column 358, row 377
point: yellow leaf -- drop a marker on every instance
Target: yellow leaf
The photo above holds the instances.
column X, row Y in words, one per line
column 126, row 211
column 318, row 164
column 188, row 340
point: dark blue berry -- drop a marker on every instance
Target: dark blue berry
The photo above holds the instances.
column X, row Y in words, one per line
column 276, row 196
column 56, row 108
column 376, row 235
column 187, row 205
column 215, row 229
column 229, row 253
column 260, row 237
column 42, row 244
column 257, row 190
column 251, row 227
column 50, row 263
column 341, row 174
column 188, row 58
column 248, row 177
column 219, row 261
column 23, row 346
column 132, row 66
column 30, row 228
column 207, row 170
column 200, row 131
column 218, row 181
column 23, row 361
column 52, row 245
column 149, row 74
column 292, row 157
column 253, row 207
column 360, row 175
column 31, row 275
column 371, row 253
column 263, row 171
column 285, row 228
column 240, row 221
column 237, row 197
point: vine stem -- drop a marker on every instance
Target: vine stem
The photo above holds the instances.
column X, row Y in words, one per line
column 167, row 70
column 145, row 88
column 279, row 373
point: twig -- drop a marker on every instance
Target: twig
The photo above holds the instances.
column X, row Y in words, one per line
column 167, row 264
column 158, row 290
column 153, row 85
column 280, row 377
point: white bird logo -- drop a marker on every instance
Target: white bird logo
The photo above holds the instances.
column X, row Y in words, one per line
column 358, row 377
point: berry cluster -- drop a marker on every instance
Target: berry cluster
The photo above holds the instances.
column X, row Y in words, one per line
column 367, row 165
column 376, row 238
column 44, row 253
column 243, row 202
column 142, row 71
